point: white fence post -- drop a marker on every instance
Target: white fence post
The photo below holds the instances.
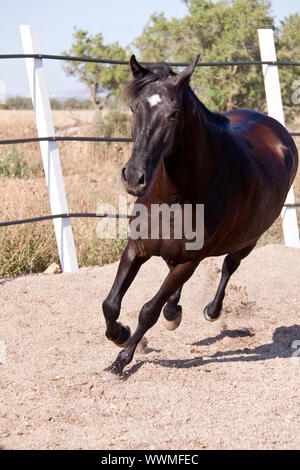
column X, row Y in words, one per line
column 49, row 150
column 275, row 110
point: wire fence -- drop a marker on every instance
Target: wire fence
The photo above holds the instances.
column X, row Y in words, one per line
column 112, row 139
column 63, row 216
column 66, row 138
column 126, row 62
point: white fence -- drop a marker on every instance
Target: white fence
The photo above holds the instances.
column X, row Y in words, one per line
column 49, row 150
column 275, row 110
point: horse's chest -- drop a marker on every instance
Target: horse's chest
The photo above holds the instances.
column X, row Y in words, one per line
column 174, row 232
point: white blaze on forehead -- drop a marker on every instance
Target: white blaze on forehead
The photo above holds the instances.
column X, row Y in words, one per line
column 154, row 100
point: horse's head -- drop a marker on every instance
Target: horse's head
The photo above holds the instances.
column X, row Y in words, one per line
column 156, row 97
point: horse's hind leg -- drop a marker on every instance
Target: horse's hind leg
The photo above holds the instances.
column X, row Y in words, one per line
column 172, row 312
column 129, row 266
column 232, row 261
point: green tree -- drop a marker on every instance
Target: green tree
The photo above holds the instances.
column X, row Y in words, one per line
column 102, row 79
column 220, row 31
column 289, row 50
column 158, row 40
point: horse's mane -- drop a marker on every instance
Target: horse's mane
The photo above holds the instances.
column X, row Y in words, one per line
column 161, row 71
column 211, row 116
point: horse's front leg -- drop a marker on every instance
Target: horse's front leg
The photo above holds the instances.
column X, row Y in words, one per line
column 129, row 266
column 151, row 311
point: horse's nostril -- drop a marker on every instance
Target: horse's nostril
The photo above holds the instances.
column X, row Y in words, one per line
column 124, row 173
column 134, row 179
column 142, row 179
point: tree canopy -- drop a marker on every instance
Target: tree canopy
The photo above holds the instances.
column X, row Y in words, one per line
column 100, row 78
column 221, row 31
column 289, row 50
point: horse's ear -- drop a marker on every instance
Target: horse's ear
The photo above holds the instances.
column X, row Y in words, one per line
column 183, row 77
column 137, row 70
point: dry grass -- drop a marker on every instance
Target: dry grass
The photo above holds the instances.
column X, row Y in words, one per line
column 92, row 176
column 75, row 157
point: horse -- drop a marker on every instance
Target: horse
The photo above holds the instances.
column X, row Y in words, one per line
column 239, row 164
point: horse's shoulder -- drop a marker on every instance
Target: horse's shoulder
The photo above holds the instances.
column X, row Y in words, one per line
column 238, row 117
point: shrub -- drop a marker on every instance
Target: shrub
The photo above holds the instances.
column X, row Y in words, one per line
column 113, row 123
column 26, row 249
column 13, row 164
column 31, row 248
column 22, row 102
column 18, row 102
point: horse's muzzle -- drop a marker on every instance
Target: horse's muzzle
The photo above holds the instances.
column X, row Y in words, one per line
column 134, row 180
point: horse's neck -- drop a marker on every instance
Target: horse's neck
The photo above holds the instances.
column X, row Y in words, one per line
column 193, row 165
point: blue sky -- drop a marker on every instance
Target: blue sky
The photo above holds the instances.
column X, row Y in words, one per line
column 118, row 20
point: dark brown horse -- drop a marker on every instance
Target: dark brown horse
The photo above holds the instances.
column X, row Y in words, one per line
column 240, row 165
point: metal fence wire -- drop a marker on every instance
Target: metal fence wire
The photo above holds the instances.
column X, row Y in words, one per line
column 111, row 139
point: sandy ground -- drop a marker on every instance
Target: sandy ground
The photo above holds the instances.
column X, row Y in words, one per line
column 232, row 384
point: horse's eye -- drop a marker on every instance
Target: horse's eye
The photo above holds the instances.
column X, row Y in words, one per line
column 173, row 116
column 131, row 109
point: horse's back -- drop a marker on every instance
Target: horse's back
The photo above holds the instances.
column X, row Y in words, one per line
column 270, row 144
column 260, row 162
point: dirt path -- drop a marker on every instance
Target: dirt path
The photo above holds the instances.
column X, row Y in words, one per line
column 228, row 385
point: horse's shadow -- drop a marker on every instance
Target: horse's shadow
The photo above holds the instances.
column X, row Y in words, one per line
column 280, row 347
column 5, row 280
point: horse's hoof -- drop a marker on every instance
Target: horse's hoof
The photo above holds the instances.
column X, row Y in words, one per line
column 123, row 337
column 110, row 376
column 173, row 324
column 208, row 317
column 115, row 371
